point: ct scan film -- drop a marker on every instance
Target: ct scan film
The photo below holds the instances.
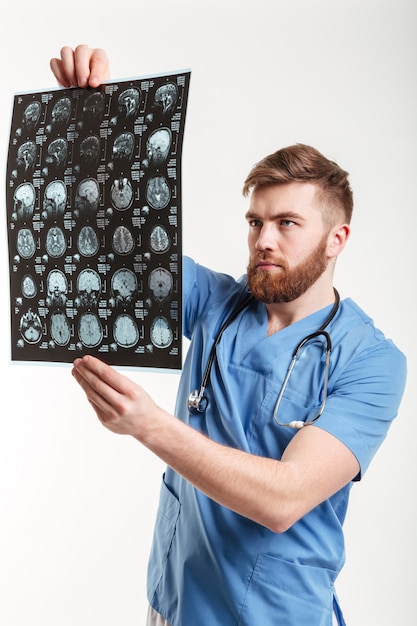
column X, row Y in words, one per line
column 93, row 195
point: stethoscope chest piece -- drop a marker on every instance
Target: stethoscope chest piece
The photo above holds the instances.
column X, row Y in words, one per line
column 197, row 402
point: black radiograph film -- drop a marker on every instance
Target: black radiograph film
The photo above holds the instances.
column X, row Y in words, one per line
column 93, row 199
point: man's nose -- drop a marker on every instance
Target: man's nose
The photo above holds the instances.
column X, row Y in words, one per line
column 266, row 239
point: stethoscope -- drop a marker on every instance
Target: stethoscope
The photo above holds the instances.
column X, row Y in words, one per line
column 197, row 400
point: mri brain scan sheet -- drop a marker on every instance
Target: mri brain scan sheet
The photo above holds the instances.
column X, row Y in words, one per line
column 93, row 201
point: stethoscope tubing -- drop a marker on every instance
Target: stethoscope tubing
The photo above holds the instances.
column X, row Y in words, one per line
column 197, row 401
column 297, row 424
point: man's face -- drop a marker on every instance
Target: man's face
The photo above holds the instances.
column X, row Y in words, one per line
column 287, row 242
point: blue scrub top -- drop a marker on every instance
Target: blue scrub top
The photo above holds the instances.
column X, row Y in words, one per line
column 212, row 567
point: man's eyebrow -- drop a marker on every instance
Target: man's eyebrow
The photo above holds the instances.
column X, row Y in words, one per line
column 282, row 215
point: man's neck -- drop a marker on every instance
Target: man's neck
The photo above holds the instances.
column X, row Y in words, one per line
column 282, row 314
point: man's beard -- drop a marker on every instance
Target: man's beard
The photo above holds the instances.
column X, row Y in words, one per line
column 286, row 284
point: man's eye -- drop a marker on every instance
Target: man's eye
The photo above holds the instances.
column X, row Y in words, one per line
column 287, row 223
column 255, row 223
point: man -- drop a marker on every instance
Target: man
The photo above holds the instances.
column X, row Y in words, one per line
column 249, row 528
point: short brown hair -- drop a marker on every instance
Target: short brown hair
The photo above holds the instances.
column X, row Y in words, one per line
column 304, row 164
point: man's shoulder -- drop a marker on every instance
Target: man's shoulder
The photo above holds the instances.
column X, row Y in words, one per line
column 358, row 325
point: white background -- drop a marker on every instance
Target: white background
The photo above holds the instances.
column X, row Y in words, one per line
column 77, row 503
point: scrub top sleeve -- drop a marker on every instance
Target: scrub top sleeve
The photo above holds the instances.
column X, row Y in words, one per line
column 189, row 294
column 204, row 290
column 364, row 401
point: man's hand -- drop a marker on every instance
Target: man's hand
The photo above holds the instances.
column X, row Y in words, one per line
column 121, row 405
column 82, row 67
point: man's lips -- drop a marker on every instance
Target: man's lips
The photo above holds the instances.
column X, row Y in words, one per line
column 267, row 265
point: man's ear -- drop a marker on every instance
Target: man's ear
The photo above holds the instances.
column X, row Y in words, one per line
column 337, row 239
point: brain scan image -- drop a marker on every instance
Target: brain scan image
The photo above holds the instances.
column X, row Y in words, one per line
column 25, row 243
column 56, row 244
column 93, row 217
column 159, row 240
column 31, row 115
column 61, row 111
column 161, row 332
column 26, row 156
column 88, row 288
column 123, row 287
column 24, row 201
column 55, row 199
column 158, row 145
column 93, row 108
column 57, row 288
column 28, row 286
column 59, row 328
column 90, row 330
column 88, row 242
column 121, row 194
column 125, row 331
column 90, row 151
column 123, row 242
column 166, row 97
column 57, row 153
column 160, row 283
column 123, row 147
column 87, row 197
column 31, row 327
column 128, row 102
column 158, row 193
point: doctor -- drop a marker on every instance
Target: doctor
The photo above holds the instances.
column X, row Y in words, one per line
column 250, row 524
